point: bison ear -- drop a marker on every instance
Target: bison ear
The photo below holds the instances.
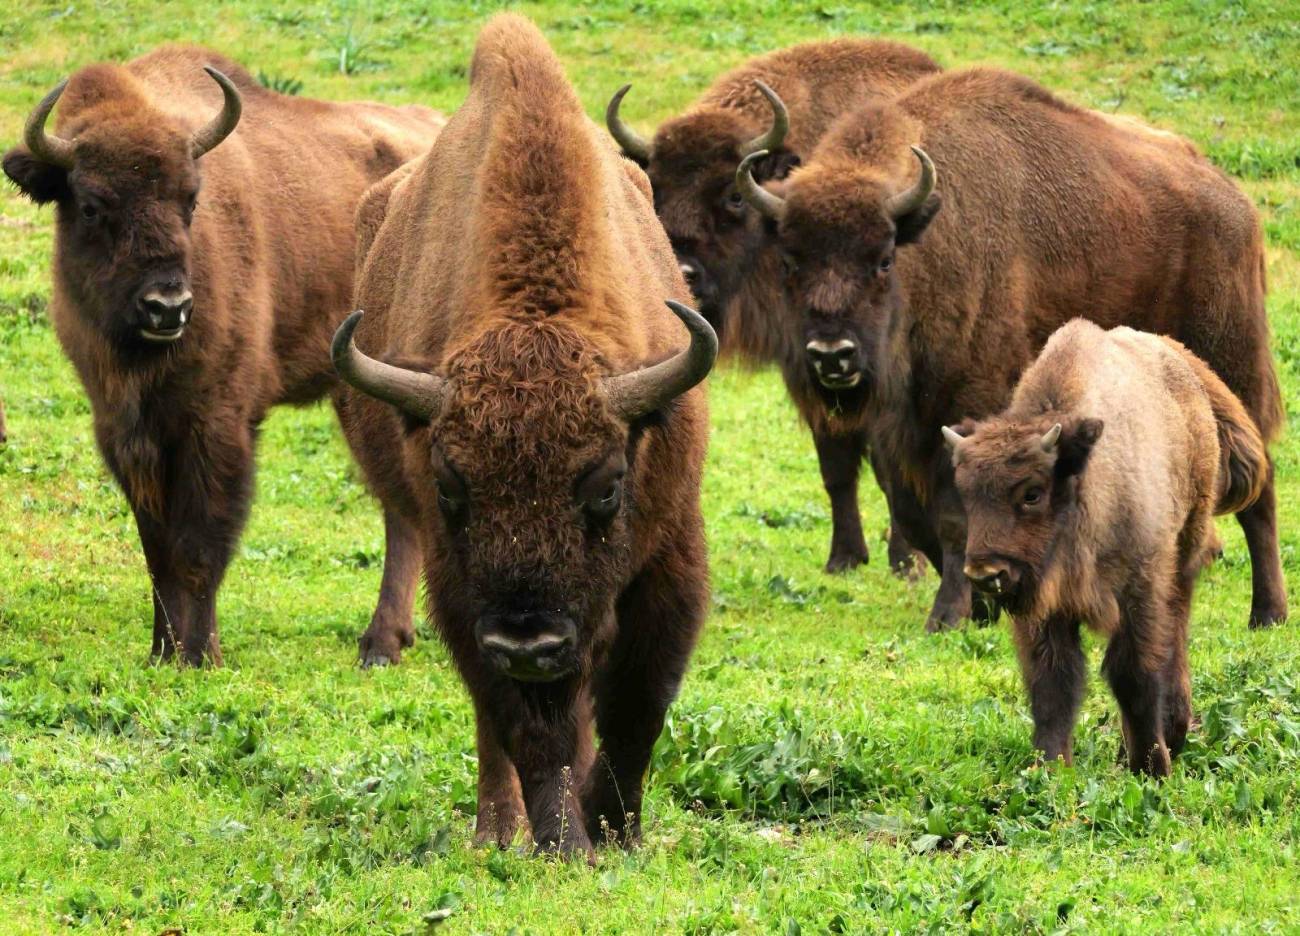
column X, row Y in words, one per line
column 909, row 227
column 40, row 181
column 776, row 166
column 1075, row 445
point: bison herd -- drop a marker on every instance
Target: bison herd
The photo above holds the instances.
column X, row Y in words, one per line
column 1042, row 326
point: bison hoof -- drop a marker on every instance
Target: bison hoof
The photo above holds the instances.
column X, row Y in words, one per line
column 909, row 568
column 1266, row 617
column 496, row 827
column 382, row 647
column 846, row 559
column 944, row 619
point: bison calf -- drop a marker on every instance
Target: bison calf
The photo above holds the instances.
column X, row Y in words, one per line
column 1091, row 498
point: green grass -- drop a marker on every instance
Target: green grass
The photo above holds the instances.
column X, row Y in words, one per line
column 828, row 767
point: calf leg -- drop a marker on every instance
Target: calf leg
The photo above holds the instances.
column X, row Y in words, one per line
column 1054, row 669
column 390, row 629
column 1135, row 665
column 659, row 618
column 1268, row 588
column 952, row 603
column 840, row 459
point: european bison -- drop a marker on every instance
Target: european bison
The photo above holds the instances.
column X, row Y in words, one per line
column 1055, row 212
column 1092, row 498
column 781, row 103
column 197, row 282
column 529, row 410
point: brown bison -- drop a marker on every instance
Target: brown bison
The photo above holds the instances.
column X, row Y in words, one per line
column 916, row 318
column 527, row 406
column 199, row 271
column 1091, row 498
column 780, row 103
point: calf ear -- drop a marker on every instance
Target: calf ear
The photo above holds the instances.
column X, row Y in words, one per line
column 909, row 227
column 39, row 181
column 1075, row 445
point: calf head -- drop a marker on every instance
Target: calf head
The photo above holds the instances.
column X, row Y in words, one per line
column 125, row 182
column 691, row 164
column 528, row 450
column 1018, row 480
column 836, row 225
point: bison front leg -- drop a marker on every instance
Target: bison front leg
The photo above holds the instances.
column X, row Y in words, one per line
column 547, row 736
column 500, row 799
column 1135, row 666
column 390, row 629
column 659, row 618
column 1054, row 668
column 840, row 459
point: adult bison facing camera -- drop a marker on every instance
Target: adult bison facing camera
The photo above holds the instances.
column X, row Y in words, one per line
column 1091, row 498
column 529, row 405
column 915, row 318
column 781, row 104
column 202, row 259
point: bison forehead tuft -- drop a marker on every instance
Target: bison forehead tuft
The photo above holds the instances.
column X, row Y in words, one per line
column 1001, row 451
column 525, row 398
column 839, row 204
column 700, row 140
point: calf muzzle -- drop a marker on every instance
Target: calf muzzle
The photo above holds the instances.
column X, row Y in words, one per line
column 530, row 646
column 993, row 576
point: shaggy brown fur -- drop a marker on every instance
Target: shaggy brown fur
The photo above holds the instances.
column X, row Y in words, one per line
column 267, row 253
column 521, row 259
column 692, row 171
column 1091, row 498
column 1052, row 212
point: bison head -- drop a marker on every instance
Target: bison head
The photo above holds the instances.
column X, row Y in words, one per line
column 837, row 229
column 524, row 458
column 1017, row 480
column 125, row 183
column 691, row 164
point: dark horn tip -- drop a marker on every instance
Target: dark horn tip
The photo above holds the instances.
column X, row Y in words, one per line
column 343, row 337
column 697, row 324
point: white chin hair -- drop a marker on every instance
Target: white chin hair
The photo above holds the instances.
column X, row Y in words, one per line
column 161, row 337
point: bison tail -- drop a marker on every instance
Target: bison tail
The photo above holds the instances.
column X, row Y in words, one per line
column 1243, row 453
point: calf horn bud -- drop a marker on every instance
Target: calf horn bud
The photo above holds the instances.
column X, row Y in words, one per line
column 953, row 438
column 904, row 203
column 413, row 392
column 45, row 146
column 774, row 136
column 764, row 202
column 1050, row 438
column 224, row 123
column 633, row 144
column 643, row 391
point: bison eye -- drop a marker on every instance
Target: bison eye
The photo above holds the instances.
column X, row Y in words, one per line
column 452, row 507
column 886, row 264
column 1032, row 496
column 607, row 502
column 89, row 212
column 734, row 202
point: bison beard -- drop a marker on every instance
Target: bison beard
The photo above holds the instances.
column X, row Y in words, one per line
column 1078, row 510
column 531, row 413
column 189, row 313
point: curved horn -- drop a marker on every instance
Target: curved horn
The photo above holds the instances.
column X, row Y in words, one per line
column 1051, row 437
column 412, row 392
column 904, row 203
column 773, row 206
column 633, row 144
column 775, row 134
column 224, row 123
column 45, row 146
column 953, row 438
column 643, row 391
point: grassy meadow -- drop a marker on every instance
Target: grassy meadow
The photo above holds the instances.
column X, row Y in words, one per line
column 828, row 766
